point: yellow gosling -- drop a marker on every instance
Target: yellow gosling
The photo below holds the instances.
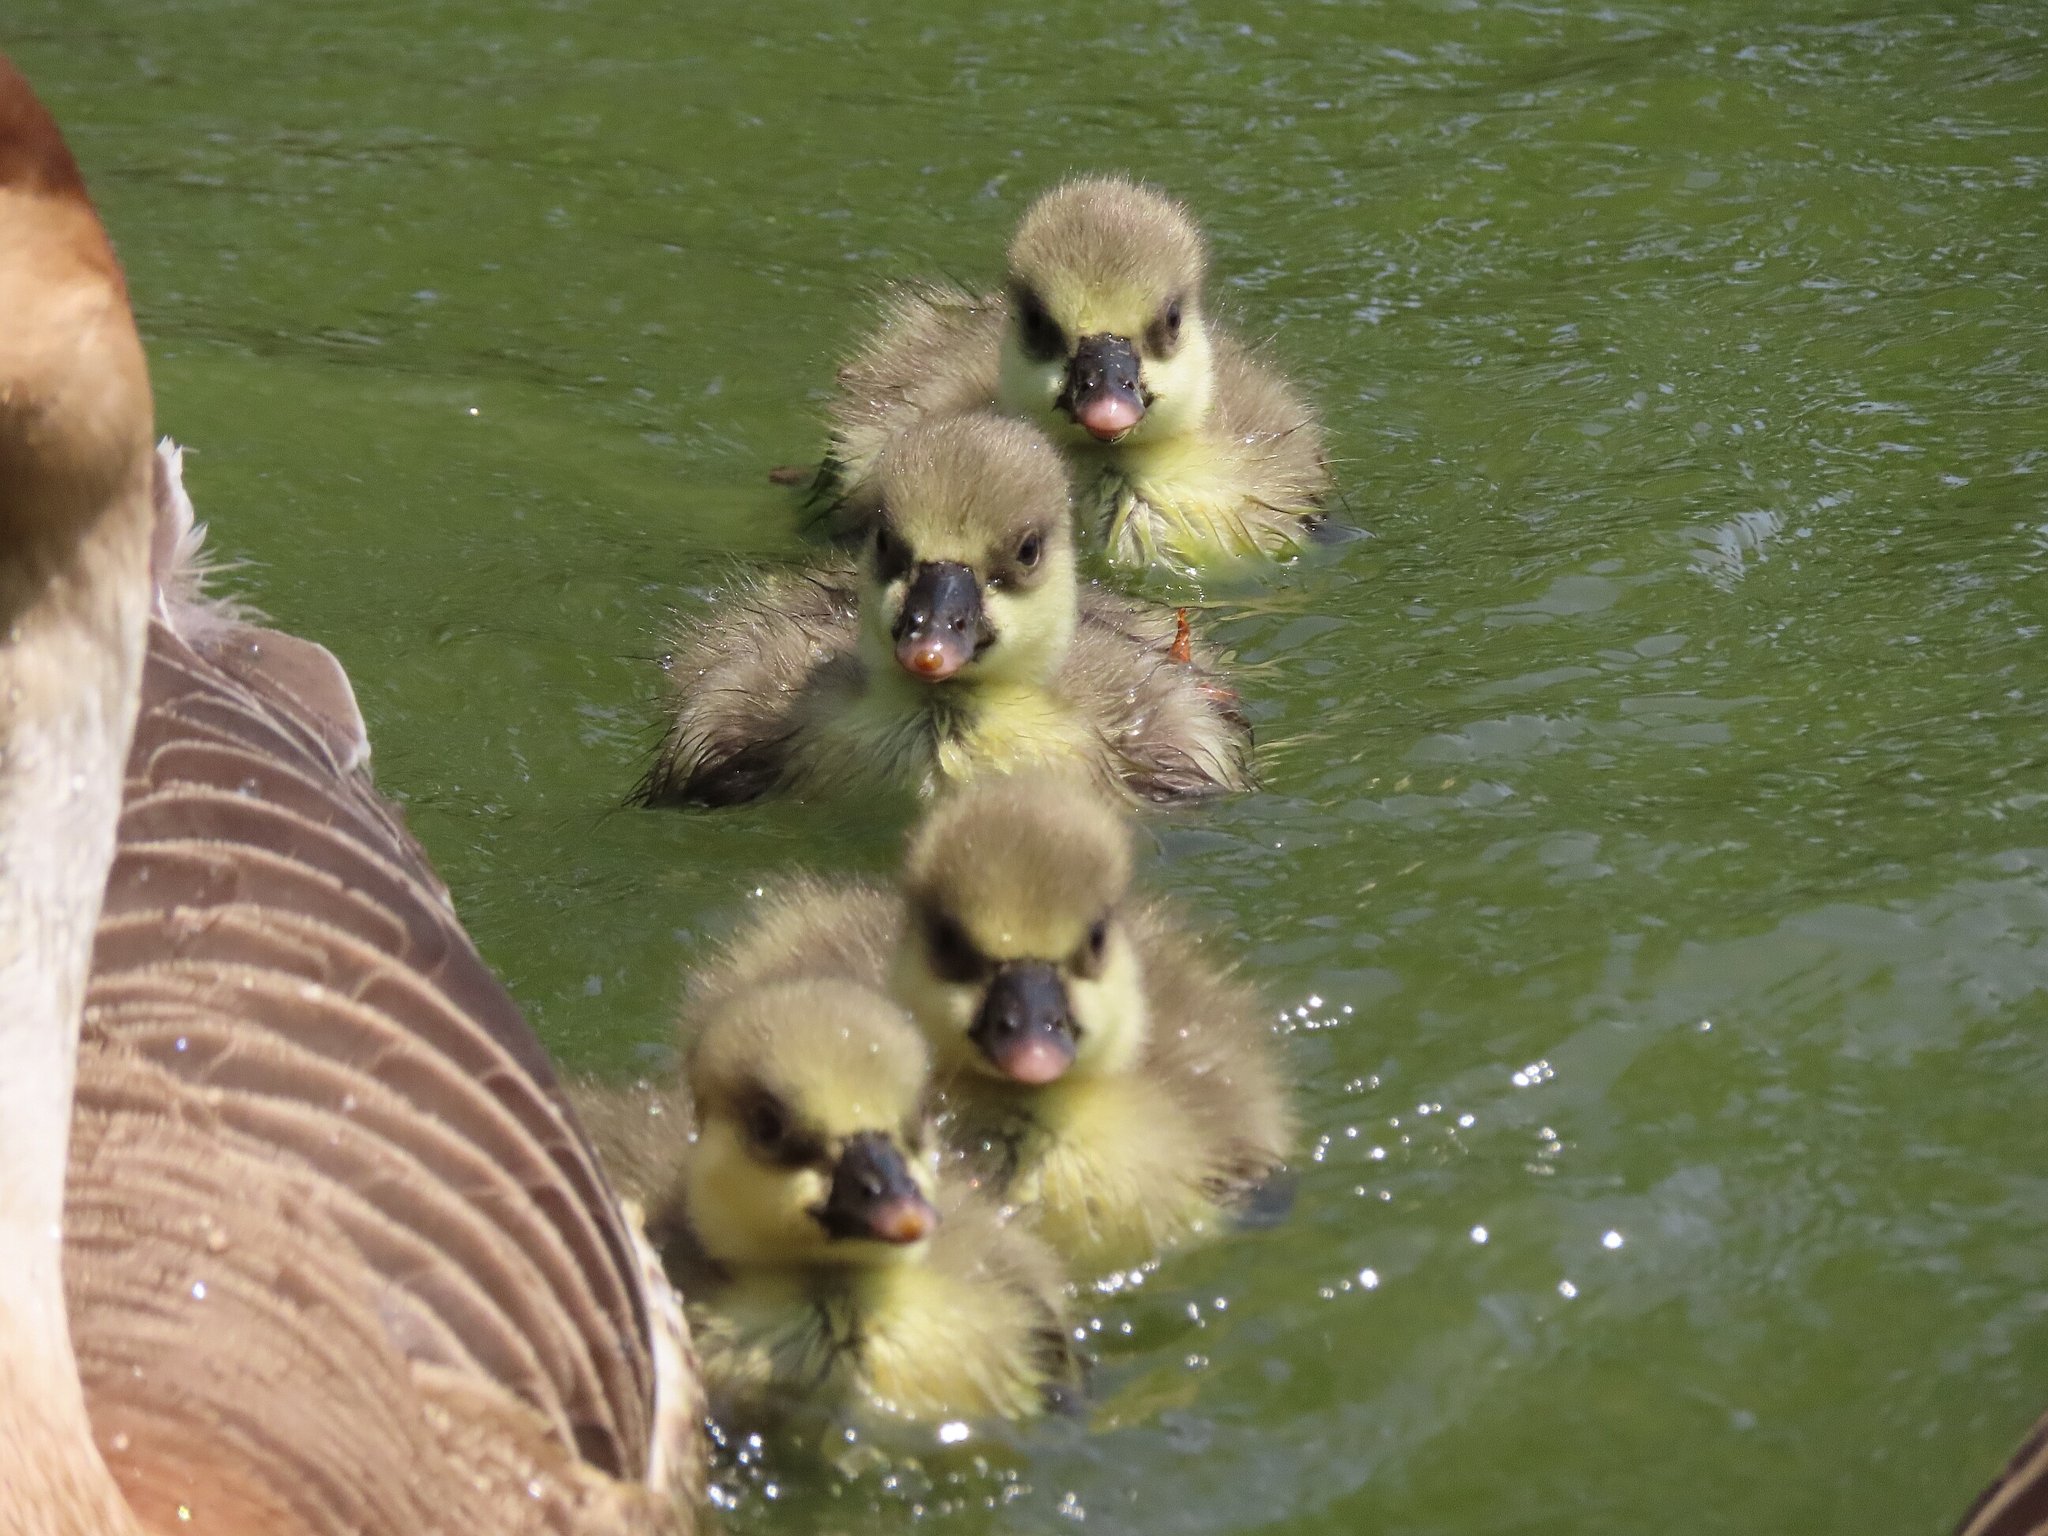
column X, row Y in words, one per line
column 961, row 644
column 826, row 1262
column 1099, row 1069
column 1187, row 450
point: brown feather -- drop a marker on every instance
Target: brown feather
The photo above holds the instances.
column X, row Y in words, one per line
column 2016, row 1503
column 302, row 1092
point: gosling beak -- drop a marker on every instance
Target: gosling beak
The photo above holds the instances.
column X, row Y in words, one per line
column 941, row 626
column 1102, row 393
column 1025, row 1028
column 873, row 1195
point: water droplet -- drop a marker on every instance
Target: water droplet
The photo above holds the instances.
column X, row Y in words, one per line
column 952, row 1432
column 1566, row 1289
column 1479, row 1234
column 199, row 1290
column 1611, row 1240
column 1369, row 1278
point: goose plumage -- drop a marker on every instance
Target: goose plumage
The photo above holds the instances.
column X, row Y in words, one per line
column 336, row 1255
column 75, row 417
column 2015, row 1503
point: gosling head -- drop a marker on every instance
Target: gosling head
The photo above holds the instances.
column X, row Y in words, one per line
column 813, row 1147
column 969, row 574
column 1016, row 957
column 1106, row 341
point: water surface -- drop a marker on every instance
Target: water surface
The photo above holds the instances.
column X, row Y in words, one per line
column 1653, row 868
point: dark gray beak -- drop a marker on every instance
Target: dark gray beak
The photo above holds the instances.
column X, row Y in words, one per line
column 1025, row 1027
column 941, row 626
column 873, row 1195
column 1103, row 392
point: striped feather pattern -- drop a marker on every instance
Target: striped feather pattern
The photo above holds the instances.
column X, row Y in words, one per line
column 339, row 1257
column 2017, row 1503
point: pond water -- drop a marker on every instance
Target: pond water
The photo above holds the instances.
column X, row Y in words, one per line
column 1653, row 863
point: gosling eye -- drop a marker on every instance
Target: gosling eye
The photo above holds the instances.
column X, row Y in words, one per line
column 1087, row 960
column 1029, row 551
column 766, row 1124
column 1037, row 332
column 1162, row 336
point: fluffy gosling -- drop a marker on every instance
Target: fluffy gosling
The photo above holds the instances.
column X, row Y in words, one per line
column 1188, row 452
column 826, row 1263
column 961, row 644
column 1098, row 1068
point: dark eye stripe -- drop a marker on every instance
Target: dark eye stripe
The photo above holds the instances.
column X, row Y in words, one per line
column 774, row 1134
column 892, row 556
column 952, row 953
column 1037, row 332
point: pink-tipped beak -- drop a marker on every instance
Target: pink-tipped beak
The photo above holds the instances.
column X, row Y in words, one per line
column 1037, row 1060
column 1109, row 415
column 906, row 1220
column 934, row 658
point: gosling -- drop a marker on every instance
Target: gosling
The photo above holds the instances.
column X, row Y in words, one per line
column 1098, row 1069
column 962, row 643
column 1187, row 450
column 826, row 1263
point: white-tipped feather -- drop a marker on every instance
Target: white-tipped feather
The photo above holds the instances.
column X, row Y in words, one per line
column 297, row 675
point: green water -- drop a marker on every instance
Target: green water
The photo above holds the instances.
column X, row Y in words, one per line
column 1656, row 839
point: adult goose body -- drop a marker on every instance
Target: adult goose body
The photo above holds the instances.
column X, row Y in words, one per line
column 329, row 1253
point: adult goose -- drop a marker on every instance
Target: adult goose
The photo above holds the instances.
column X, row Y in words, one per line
column 330, row 1254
